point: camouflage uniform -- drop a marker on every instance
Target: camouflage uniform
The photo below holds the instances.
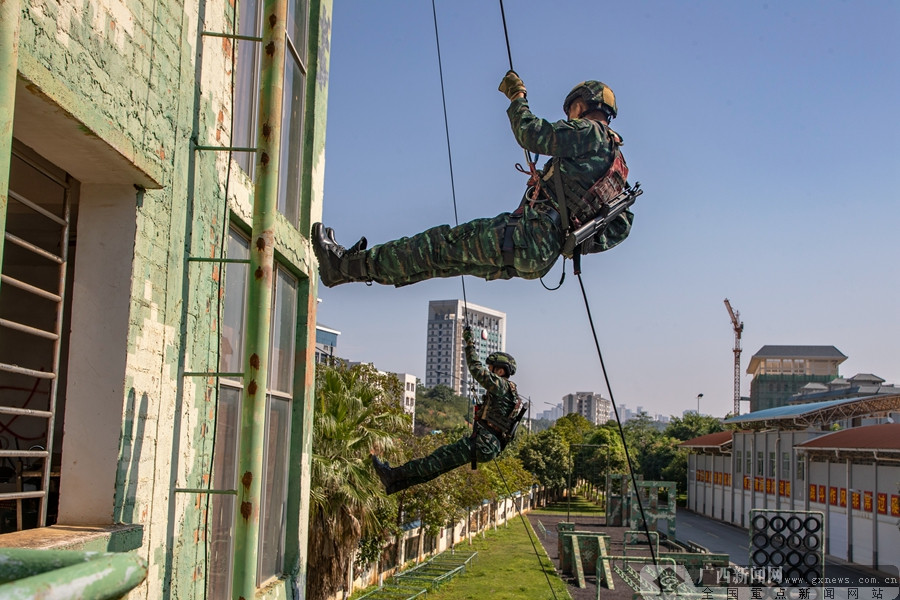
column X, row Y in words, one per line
column 502, row 396
column 585, row 150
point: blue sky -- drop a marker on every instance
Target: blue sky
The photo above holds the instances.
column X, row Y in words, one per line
column 765, row 136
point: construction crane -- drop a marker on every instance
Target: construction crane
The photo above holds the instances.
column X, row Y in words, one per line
column 738, row 328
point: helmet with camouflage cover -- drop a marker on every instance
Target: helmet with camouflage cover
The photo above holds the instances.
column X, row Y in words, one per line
column 502, row 359
column 595, row 94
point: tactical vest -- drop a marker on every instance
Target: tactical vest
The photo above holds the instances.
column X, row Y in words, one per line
column 500, row 422
column 582, row 208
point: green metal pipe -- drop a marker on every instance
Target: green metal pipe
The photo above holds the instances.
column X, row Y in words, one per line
column 68, row 574
column 259, row 302
column 9, row 64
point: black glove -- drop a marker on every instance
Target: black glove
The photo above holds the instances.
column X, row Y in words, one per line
column 511, row 85
column 467, row 336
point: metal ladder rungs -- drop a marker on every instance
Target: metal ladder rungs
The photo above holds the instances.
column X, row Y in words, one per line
column 30, row 288
column 205, row 491
column 30, row 372
column 35, row 249
column 237, row 261
column 30, row 330
column 211, row 374
column 25, row 412
column 233, row 36
column 226, row 148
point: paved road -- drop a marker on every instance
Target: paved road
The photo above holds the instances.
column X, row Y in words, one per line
column 720, row 537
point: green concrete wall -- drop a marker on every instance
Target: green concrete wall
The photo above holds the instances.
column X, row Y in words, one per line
column 126, row 70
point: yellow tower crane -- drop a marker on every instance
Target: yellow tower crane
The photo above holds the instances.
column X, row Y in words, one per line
column 738, row 328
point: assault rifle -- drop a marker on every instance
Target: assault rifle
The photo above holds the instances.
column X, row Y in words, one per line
column 610, row 211
column 573, row 248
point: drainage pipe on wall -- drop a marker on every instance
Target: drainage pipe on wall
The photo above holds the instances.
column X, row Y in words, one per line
column 259, row 303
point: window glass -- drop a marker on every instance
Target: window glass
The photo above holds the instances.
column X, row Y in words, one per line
column 293, row 105
column 760, row 462
column 246, row 82
column 284, row 328
column 274, row 501
column 221, row 506
column 771, row 464
column 785, row 464
column 278, row 427
column 737, row 461
column 233, row 315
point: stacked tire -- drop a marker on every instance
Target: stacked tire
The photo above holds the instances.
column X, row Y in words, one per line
column 791, row 541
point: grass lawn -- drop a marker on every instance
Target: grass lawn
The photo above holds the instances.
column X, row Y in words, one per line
column 506, row 568
column 578, row 506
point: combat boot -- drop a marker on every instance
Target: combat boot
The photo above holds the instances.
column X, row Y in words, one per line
column 387, row 475
column 337, row 264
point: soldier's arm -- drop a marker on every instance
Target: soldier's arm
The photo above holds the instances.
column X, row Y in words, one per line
column 562, row 138
column 493, row 384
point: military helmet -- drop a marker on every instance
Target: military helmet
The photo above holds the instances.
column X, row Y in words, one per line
column 596, row 95
column 502, row 359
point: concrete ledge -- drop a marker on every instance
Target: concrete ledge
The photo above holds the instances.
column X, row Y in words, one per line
column 109, row 538
column 61, row 127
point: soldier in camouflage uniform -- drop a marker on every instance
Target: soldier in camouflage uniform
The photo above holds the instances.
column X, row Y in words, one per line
column 525, row 243
column 493, row 429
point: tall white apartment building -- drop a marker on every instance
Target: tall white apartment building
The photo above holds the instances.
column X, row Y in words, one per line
column 593, row 407
column 445, row 363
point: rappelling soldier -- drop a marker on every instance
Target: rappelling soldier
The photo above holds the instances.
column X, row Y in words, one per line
column 586, row 171
column 496, row 420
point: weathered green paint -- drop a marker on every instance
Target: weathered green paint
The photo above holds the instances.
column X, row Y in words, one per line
column 127, row 73
column 259, row 301
column 26, row 574
column 9, row 58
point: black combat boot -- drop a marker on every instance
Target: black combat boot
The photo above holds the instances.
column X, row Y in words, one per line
column 337, row 264
column 387, row 475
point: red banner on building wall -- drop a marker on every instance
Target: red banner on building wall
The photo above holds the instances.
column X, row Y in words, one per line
column 895, row 505
column 822, row 494
column 843, row 497
column 867, row 501
column 882, row 503
column 833, row 496
column 854, row 500
column 746, row 482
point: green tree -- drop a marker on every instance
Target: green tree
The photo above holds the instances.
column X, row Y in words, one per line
column 438, row 408
column 573, row 428
column 691, row 426
column 356, row 412
column 605, row 454
column 546, row 456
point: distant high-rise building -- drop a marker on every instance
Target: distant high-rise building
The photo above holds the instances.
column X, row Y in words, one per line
column 593, row 407
column 445, row 363
column 779, row 372
column 326, row 343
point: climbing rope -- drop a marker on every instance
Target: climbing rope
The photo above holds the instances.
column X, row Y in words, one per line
column 437, row 39
column 619, row 423
column 533, row 172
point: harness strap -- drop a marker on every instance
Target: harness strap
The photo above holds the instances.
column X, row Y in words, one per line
column 507, row 248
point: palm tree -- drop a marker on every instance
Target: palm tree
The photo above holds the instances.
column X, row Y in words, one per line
column 356, row 413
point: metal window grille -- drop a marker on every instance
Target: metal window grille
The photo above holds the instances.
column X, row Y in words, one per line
column 32, row 294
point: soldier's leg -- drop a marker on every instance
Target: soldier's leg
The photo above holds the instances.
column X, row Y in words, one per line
column 472, row 248
column 445, row 459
